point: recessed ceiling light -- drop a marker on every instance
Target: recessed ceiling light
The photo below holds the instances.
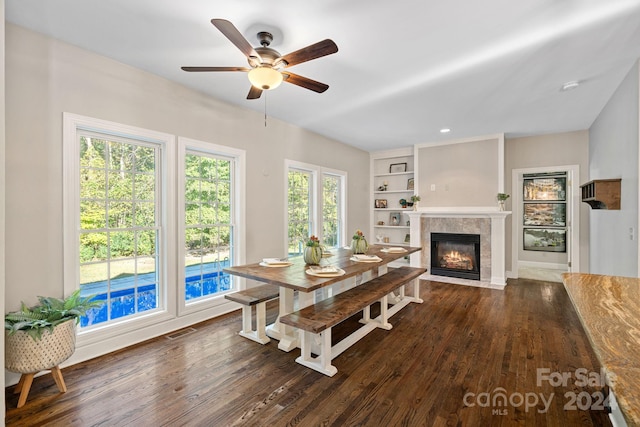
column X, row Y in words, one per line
column 445, row 130
column 569, row 85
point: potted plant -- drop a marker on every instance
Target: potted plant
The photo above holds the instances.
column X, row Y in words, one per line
column 41, row 337
column 313, row 251
column 502, row 197
column 359, row 244
column 415, row 199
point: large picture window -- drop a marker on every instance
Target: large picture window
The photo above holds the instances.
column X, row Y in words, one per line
column 315, row 206
column 119, row 224
column 210, row 216
column 149, row 224
column 208, row 226
column 300, row 209
column 332, row 218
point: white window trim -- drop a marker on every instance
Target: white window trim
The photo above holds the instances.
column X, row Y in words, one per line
column 317, row 173
column 239, row 218
column 72, row 123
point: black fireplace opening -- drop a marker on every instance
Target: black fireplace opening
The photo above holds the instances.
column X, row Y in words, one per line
column 455, row 255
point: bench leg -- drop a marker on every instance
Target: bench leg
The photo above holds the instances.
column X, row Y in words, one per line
column 366, row 315
column 259, row 334
column 384, row 314
column 321, row 363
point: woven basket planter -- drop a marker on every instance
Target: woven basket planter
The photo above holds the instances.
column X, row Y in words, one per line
column 25, row 355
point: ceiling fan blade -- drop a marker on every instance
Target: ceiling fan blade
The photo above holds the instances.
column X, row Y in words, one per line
column 317, row 50
column 254, row 93
column 235, row 37
column 304, row 82
column 196, row 69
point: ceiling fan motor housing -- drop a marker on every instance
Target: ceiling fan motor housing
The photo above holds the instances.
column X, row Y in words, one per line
column 268, row 56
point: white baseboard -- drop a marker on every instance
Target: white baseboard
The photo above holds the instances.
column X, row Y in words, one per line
column 545, row 265
column 464, row 282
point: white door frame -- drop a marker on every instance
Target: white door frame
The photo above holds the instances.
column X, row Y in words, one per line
column 573, row 213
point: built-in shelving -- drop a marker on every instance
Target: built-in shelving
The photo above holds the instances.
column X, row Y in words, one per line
column 602, row 193
column 398, row 185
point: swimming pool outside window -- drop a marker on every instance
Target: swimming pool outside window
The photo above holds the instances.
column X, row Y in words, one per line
column 119, row 225
column 208, row 227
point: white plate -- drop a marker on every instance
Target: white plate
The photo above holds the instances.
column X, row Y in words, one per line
column 393, row 250
column 362, row 259
column 287, row 264
column 273, row 261
column 320, row 273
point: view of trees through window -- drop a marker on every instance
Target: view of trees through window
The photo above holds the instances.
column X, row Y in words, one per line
column 151, row 220
column 331, row 218
column 299, row 202
column 303, row 202
column 118, row 226
column 208, row 225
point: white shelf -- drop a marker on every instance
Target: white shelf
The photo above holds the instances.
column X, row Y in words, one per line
column 392, row 191
column 398, row 209
column 394, row 174
column 392, row 226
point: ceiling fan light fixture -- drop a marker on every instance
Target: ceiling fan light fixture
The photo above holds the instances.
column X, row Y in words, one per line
column 265, row 78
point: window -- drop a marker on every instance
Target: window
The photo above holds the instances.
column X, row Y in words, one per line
column 149, row 224
column 332, row 210
column 119, row 224
column 300, row 197
column 315, row 206
column 208, row 227
column 211, row 214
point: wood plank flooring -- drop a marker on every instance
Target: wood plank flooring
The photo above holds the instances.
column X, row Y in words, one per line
column 461, row 341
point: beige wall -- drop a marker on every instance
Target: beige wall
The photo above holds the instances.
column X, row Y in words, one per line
column 613, row 143
column 464, row 174
column 562, row 149
column 46, row 78
column 2, row 188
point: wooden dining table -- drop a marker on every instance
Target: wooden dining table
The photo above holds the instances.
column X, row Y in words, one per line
column 310, row 288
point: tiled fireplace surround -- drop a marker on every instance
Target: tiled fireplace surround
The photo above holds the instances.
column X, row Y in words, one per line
column 489, row 223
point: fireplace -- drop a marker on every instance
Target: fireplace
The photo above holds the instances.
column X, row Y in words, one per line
column 455, row 255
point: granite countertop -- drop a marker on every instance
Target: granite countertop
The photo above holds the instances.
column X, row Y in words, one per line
column 609, row 309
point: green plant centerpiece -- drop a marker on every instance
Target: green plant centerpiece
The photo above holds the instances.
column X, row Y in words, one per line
column 415, row 199
column 313, row 251
column 502, row 197
column 41, row 337
column 359, row 244
column 49, row 313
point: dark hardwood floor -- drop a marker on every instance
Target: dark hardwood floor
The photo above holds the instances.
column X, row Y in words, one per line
column 461, row 344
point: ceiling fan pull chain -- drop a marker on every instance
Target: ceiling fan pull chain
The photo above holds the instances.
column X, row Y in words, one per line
column 265, row 110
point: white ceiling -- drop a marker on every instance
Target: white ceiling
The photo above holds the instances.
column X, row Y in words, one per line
column 404, row 69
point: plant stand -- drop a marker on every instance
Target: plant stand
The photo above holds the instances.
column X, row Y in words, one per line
column 27, row 356
column 24, row 385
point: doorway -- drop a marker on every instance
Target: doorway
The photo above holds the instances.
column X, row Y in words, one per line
column 545, row 222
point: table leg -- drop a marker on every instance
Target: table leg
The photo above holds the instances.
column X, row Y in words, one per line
column 287, row 335
column 416, row 291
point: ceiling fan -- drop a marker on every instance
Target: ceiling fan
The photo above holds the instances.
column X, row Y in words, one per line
column 267, row 65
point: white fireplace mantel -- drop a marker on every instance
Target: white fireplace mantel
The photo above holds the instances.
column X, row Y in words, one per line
column 498, row 236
